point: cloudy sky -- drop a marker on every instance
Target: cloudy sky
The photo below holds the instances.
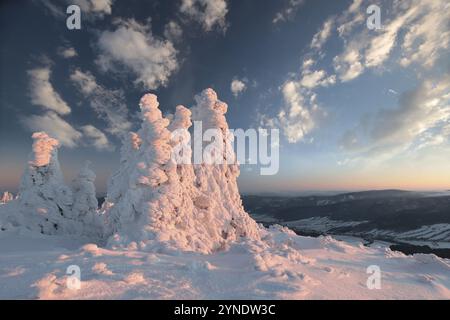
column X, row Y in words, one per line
column 357, row 107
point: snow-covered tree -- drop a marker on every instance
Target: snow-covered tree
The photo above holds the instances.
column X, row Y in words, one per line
column 44, row 201
column 85, row 202
column 217, row 181
column 119, row 181
column 145, row 211
column 161, row 202
column 6, row 197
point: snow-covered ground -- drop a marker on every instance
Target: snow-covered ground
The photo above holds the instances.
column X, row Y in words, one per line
column 280, row 266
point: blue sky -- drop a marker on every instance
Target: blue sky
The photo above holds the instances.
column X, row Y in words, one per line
column 357, row 108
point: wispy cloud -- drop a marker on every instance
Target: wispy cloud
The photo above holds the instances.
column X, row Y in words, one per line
column 410, row 26
column 96, row 138
column 67, row 52
column 288, row 11
column 42, row 92
column 107, row 104
column 420, row 119
column 55, row 126
column 92, row 9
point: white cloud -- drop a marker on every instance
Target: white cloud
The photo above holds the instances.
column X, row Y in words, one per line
column 348, row 65
column 238, row 86
column 297, row 119
column 322, row 36
column 42, row 92
column 419, row 28
column 288, row 11
column 67, row 53
column 96, row 138
column 316, row 78
column 173, row 31
column 429, row 36
column 55, row 126
column 133, row 46
column 421, row 119
column 209, row 13
column 108, row 104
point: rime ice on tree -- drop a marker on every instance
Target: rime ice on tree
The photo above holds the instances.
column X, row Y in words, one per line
column 44, row 200
column 6, row 197
column 85, row 202
column 218, row 182
column 159, row 203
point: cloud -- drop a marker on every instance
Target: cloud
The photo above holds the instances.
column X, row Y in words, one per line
column 42, row 92
column 96, row 138
column 410, row 26
column 67, row 52
column 209, row 13
column 55, row 126
column 173, row 31
column 133, row 46
column 92, row 9
column 322, row 36
column 238, row 86
column 107, row 104
column 288, row 11
column 99, row 7
column 421, row 119
column 316, row 78
column 298, row 117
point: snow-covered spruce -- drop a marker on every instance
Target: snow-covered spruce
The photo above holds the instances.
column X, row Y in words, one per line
column 6, row 197
column 44, row 202
column 119, row 182
column 166, row 205
column 85, row 203
column 217, row 183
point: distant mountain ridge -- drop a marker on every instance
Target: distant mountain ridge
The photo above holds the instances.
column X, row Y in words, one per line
column 397, row 215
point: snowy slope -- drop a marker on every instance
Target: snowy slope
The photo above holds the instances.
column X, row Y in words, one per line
column 281, row 266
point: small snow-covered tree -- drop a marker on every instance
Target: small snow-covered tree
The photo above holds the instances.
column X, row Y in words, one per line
column 6, row 197
column 44, row 201
column 119, row 181
column 85, row 204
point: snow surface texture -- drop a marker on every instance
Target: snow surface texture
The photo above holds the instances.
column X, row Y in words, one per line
column 281, row 265
column 178, row 231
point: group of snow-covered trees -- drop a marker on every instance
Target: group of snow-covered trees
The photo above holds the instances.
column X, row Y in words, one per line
column 153, row 201
column 45, row 204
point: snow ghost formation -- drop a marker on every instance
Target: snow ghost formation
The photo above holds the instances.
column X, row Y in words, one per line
column 157, row 203
column 44, row 200
column 217, row 183
column 85, row 203
column 6, row 197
